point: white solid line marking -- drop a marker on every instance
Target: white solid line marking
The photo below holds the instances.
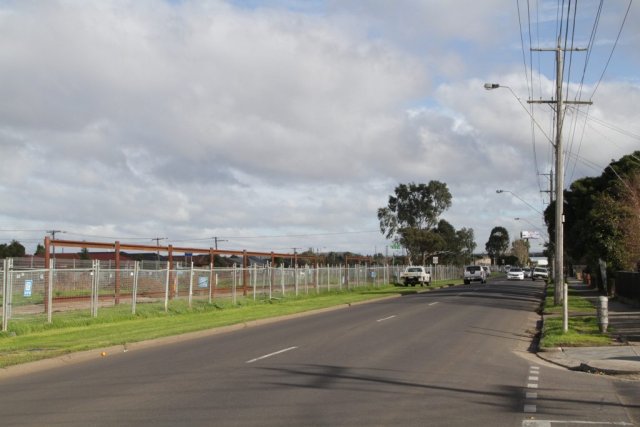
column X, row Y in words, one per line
column 533, row 378
column 386, row 318
column 271, row 354
column 530, row 408
column 434, row 303
column 531, row 395
column 532, row 385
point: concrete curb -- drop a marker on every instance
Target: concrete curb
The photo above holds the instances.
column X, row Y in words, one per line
column 612, row 360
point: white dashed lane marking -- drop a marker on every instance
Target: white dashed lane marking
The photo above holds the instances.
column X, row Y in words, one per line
column 271, row 354
column 530, row 406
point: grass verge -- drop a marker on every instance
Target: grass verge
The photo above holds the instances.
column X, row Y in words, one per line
column 34, row 339
column 583, row 328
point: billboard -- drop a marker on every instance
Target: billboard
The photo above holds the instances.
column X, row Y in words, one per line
column 529, row 234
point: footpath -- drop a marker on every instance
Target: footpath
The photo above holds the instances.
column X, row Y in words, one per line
column 624, row 327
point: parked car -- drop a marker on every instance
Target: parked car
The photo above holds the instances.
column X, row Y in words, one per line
column 474, row 273
column 527, row 273
column 515, row 273
column 540, row 273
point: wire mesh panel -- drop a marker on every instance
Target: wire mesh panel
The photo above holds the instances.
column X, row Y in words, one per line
column 25, row 293
column 226, row 283
column 151, row 285
column 93, row 286
column 72, row 289
column 201, row 287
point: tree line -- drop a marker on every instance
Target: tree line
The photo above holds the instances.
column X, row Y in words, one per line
column 602, row 218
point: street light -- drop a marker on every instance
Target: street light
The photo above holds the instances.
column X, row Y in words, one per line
column 491, row 86
column 520, row 198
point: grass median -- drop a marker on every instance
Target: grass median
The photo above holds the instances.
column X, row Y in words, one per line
column 583, row 325
column 34, row 339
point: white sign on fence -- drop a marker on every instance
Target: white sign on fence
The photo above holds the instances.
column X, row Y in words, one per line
column 203, row 282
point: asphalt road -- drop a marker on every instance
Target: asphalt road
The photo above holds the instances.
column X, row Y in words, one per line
column 454, row 357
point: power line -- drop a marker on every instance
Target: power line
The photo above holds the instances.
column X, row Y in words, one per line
column 612, row 49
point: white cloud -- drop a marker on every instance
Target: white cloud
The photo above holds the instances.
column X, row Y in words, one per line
column 195, row 119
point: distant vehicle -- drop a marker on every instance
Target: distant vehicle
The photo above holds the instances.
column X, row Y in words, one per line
column 527, row 273
column 515, row 273
column 474, row 273
column 540, row 273
column 414, row 275
column 487, row 270
column 507, row 268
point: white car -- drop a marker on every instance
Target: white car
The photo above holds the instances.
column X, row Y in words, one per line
column 515, row 273
column 474, row 273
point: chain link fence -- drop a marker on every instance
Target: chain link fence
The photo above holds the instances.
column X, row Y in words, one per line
column 31, row 291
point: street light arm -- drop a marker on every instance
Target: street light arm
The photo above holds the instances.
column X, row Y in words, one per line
column 520, row 198
column 491, row 86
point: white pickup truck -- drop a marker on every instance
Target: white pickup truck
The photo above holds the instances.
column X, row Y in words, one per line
column 414, row 275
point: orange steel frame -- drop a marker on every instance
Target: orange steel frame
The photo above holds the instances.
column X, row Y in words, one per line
column 170, row 250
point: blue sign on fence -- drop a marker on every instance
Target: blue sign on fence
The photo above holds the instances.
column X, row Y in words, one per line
column 28, row 284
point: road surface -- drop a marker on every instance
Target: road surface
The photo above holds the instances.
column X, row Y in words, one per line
column 452, row 357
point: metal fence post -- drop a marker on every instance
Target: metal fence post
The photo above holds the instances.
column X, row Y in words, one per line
column 50, row 291
column 95, row 292
column 190, row 284
column 93, row 286
column 134, row 295
column 166, row 287
column 253, row 273
column 235, row 279
column 5, row 274
column 210, row 280
column 9, row 295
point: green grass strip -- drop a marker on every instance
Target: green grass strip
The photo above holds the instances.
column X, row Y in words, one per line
column 33, row 339
column 583, row 332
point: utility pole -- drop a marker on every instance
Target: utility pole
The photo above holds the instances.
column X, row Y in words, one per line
column 157, row 239
column 53, row 245
column 295, row 257
column 558, row 279
column 216, row 240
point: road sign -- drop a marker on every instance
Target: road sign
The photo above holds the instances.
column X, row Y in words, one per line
column 435, row 259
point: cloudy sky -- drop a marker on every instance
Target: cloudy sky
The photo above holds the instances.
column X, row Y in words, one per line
column 286, row 124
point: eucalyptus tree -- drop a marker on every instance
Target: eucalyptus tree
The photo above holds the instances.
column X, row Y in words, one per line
column 411, row 216
column 498, row 243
